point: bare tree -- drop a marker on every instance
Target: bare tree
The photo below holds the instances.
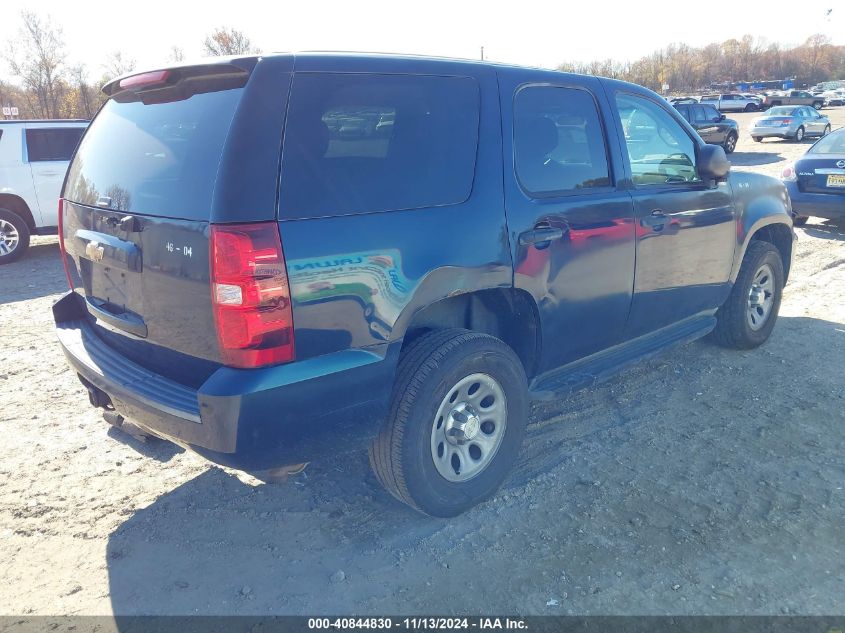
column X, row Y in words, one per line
column 816, row 56
column 86, row 97
column 38, row 58
column 176, row 54
column 225, row 41
column 116, row 64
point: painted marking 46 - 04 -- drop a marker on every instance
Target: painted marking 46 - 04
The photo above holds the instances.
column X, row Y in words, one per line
column 185, row 251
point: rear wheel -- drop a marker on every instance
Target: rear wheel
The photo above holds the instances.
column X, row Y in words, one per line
column 818, row 105
column 14, row 236
column 456, row 422
column 747, row 318
column 799, row 134
column 730, row 143
column 750, row 107
column 757, row 139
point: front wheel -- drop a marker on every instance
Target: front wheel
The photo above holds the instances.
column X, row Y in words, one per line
column 14, row 236
column 750, row 107
column 730, row 143
column 799, row 134
column 747, row 318
column 456, row 422
column 818, row 105
column 757, row 139
column 800, row 220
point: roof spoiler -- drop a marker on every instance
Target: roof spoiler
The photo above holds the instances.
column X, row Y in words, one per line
column 179, row 82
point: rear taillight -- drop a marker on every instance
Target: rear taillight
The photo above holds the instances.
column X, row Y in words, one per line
column 788, row 173
column 62, row 250
column 251, row 295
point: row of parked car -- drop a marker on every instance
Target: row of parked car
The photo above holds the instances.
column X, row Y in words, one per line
column 785, row 122
column 738, row 102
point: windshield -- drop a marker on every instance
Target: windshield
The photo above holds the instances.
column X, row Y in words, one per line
column 830, row 144
column 781, row 111
column 156, row 159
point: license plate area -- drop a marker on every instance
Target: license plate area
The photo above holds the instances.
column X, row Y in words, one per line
column 836, row 181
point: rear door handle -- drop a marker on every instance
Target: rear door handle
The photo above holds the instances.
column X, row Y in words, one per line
column 540, row 235
column 657, row 220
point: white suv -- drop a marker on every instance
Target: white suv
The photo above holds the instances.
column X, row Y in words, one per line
column 34, row 157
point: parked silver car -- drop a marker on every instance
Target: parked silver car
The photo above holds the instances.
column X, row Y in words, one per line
column 793, row 122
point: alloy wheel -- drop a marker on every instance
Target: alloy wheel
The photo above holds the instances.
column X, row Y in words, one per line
column 9, row 238
column 761, row 297
column 468, row 428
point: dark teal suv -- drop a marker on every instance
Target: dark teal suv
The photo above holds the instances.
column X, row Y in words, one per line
column 712, row 126
column 284, row 258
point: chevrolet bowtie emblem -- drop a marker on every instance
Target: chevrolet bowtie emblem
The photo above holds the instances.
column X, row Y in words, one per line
column 94, row 251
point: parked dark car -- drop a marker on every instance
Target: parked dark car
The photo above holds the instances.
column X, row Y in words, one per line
column 255, row 283
column 816, row 182
column 712, row 126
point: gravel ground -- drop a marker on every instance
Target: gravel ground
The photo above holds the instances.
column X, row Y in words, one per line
column 706, row 481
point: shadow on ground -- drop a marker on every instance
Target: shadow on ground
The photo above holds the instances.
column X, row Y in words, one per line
column 749, row 159
column 38, row 273
column 669, row 472
column 826, row 229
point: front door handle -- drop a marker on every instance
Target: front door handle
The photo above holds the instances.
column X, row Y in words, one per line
column 657, row 220
column 540, row 236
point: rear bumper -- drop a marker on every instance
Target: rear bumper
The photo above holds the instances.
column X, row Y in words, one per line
column 249, row 419
column 821, row 205
column 773, row 132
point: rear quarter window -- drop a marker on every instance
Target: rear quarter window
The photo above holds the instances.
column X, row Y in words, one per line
column 49, row 144
column 358, row 143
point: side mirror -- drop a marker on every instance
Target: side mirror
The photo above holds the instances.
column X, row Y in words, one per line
column 713, row 164
column 721, row 118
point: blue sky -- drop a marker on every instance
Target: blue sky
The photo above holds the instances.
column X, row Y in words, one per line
column 522, row 32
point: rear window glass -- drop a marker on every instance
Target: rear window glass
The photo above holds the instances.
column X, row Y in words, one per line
column 830, row 144
column 52, row 143
column 362, row 143
column 155, row 159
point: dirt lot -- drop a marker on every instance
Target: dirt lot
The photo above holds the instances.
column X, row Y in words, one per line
column 707, row 481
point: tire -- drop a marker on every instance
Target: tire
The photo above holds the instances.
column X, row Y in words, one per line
column 750, row 107
column 734, row 326
column 818, row 105
column 730, row 143
column 403, row 454
column 800, row 220
column 15, row 236
column 757, row 139
column 799, row 134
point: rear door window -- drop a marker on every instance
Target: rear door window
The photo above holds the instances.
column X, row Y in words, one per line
column 49, row 144
column 559, row 143
column 357, row 143
column 156, row 158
